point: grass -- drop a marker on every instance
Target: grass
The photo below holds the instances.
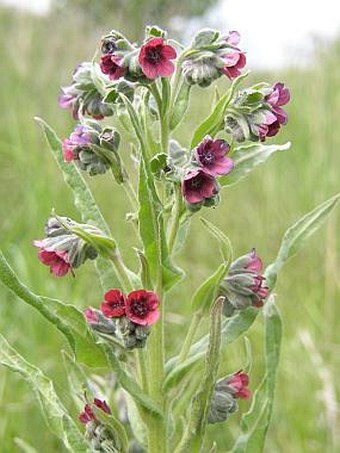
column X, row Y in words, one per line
column 38, row 56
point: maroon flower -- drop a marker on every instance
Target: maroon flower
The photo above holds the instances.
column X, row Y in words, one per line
column 211, row 155
column 87, row 415
column 154, row 58
column 254, row 262
column 238, row 382
column 198, row 185
column 279, row 96
column 80, row 137
column 58, row 260
column 114, row 305
column 111, row 66
column 142, row 307
column 91, row 315
column 235, row 60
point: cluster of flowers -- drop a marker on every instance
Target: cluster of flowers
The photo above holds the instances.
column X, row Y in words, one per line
column 125, row 318
column 244, row 284
column 257, row 113
column 227, row 390
column 92, row 147
column 62, row 250
column 209, row 160
column 100, row 435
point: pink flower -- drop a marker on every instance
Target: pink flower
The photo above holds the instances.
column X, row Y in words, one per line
column 198, row 185
column 233, row 38
column 235, row 60
column 211, row 155
column 111, row 65
column 114, row 305
column 238, row 382
column 90, row 315
column 80, row 137
column 142, row 307
column 154, row 58
column 58, row 260
column 254, row 263
column 87, row 415
column 279, row 96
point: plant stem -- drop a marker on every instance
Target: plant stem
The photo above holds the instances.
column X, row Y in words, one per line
column 143, row 372
column 175, row 219
column 121, row 271
column 195, row 322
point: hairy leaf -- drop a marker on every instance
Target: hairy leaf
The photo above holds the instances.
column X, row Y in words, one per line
column 246, row 158
column 55, row 414
column 180, row 105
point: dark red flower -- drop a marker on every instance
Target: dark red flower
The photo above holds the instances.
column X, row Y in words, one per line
column 238, row 382
column 211, row 155
column 58, row 260
column 235, row 60
column 111, row 66
column 154, row 58
column 142, row 307
column 198, row 185
column 87, row 415
column 279, row 96
column 114, row 305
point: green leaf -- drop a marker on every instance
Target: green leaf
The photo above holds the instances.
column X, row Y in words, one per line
column 246, row 158
column 215, row 119
column 193, row 436
column 180, row 105
column 57, row 418
column 223, row 240
column 256, row 421
column 206, row 293
column 296, row 236
column 232, row 329
column 24, row 446
column 84, row 202
column 66, row 318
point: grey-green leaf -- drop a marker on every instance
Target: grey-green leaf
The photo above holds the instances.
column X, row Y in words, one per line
column 67, row 318
column 180, row 105
column 296, row 236
column 205, row 294
column 246, row 158
column 55, row 414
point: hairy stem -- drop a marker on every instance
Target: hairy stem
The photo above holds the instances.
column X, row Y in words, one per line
column 176, row 214
column 195, row 322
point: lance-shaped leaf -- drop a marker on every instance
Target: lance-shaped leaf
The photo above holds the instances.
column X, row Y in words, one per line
column 214, row 121
column 66, row 318
column 207, row 292
column 256, row 421
column 55, row 414
column 246, row 158
column 84, row 202
column 296, row 236
column 180, row 105
column 194, row 434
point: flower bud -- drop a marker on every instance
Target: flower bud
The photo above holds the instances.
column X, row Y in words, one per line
column 257, row 113
column 227, row 390
column 212, row 55
column 92, row 148
column 83, row 96
column 63, row 250
column 244, row 285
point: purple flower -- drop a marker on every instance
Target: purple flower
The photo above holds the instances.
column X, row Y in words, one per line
column 211, row 155
column 111, row 66
column 198, row 185
column 155, row 58
column 79, row 138
column 235, row 60
column 279, row 96
column 233, row 38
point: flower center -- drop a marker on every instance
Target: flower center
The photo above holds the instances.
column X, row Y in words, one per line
column 139, row 307
column 207, row 158
column 153, row 55
column 197, row 182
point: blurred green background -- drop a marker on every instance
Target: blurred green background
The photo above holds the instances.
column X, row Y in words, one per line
column 38, row 55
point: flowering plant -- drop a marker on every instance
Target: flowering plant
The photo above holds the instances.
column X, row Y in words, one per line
column 146, row 89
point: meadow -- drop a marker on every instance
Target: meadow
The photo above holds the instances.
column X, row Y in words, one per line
column 37, row 56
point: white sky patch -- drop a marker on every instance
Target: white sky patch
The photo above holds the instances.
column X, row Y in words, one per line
column 274, row 33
